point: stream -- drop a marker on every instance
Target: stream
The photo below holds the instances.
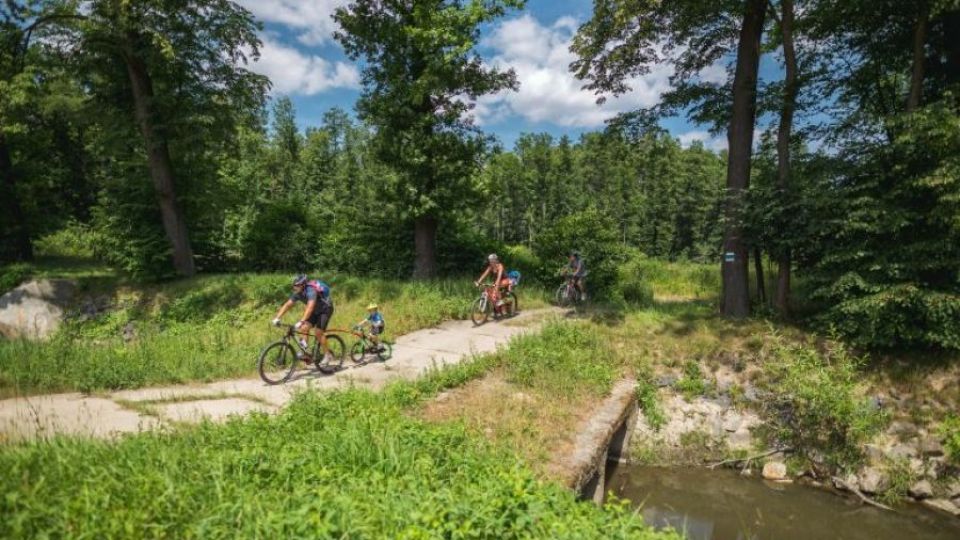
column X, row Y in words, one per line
column 722, row 505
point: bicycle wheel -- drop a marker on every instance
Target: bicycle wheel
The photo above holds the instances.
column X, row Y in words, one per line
column 277, row 362
column 337, row 351
column 511, row 305
column 479, row 313
column 561, row 296
column 358, row 351
column 385, row 352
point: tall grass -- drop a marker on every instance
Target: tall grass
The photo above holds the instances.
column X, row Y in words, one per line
column 208, row 328
column 341, row 465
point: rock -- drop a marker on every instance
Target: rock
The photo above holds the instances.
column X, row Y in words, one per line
column 874, row 453
column 872, row 481
column 665, row 380
column 35, row 309
column 931, row 446
column 902, row 429
column 129, row 332
column 901, row 452
column 774, row 470
column 942, row 505
column 732, row 422
column 953, row 488
column 849, row 482
column 741, row 439
column 921, row 490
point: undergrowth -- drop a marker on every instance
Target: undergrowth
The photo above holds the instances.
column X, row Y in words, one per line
column 347, row 464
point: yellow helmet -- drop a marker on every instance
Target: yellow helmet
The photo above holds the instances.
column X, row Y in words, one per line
column 372, row 306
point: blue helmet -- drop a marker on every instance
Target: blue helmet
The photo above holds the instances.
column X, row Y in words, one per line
column 514, row 275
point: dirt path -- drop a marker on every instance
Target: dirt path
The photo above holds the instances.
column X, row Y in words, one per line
column 149, row 408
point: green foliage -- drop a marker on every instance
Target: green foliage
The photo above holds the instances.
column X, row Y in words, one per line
column 12, row 275
column 75, row 240
column 523, row 258
column 564, row 359
column 900, row 476
column 649, row 401
column 594, row 236
column 888, row 272
column 949, row 432
column 692, row 383
column 815, row 406
column 633, row 281
column 305, row 472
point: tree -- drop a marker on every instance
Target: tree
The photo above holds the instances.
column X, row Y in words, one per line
column 177, row 56
column 624, row 38
column 791, row 87
column 421, row 77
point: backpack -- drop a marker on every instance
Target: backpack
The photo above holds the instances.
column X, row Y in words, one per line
column 323, row 290
column 514, row 277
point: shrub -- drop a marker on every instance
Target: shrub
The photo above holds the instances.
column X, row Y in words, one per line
column 950, row 433
column 634, row 281
column 594, row 235
column 12, row 275
column 523, row 258
column 74, row 240
column 886, row 316
column 815, row 407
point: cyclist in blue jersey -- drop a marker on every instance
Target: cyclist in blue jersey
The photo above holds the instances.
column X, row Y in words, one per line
column 319, row 309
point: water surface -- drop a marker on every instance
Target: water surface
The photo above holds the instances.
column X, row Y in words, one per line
column 721, row 505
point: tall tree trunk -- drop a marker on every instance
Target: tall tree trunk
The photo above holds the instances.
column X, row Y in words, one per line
column 161, row 168
column 425, row 242
column 761, row 279
column 919, row 41
column 18, row 235
column 791, row 88
column 735, row 301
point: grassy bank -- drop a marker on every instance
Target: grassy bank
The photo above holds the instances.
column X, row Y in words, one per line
column 347, row 464
column 205, row 328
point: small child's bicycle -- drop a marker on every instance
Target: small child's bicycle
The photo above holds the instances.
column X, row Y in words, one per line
column 364, row 346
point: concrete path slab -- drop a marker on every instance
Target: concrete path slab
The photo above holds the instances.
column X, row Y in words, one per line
column 212, row 409
column 414, row 354
column 71, row 414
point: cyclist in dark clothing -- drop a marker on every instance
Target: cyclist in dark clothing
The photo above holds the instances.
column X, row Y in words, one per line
column 577, row 269
column 316, row 295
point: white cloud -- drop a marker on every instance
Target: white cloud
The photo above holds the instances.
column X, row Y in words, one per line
column 311, row 19
column 716, row 144
column 293, row 72
column 548, row 92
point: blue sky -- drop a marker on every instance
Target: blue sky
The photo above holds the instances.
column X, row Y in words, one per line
column 306, row 64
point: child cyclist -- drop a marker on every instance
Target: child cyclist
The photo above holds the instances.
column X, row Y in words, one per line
column 377, row 324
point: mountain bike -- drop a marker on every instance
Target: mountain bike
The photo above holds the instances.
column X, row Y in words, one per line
column 279, row 359
column 364, row 346
column 568, row 294
column 483, row 306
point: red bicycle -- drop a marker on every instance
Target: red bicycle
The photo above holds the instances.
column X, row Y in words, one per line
column 483, row 307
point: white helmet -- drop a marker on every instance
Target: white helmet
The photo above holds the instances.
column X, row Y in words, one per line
column 492, row 257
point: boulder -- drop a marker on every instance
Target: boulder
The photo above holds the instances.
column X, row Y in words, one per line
column 901, row 452
column 35, row 309
column 931, row 446
column 921, row 490
column 902, row 429
column 849, row 482
column 943, row 505
column 774, row 470
column 872, row 481
column 953, row 488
